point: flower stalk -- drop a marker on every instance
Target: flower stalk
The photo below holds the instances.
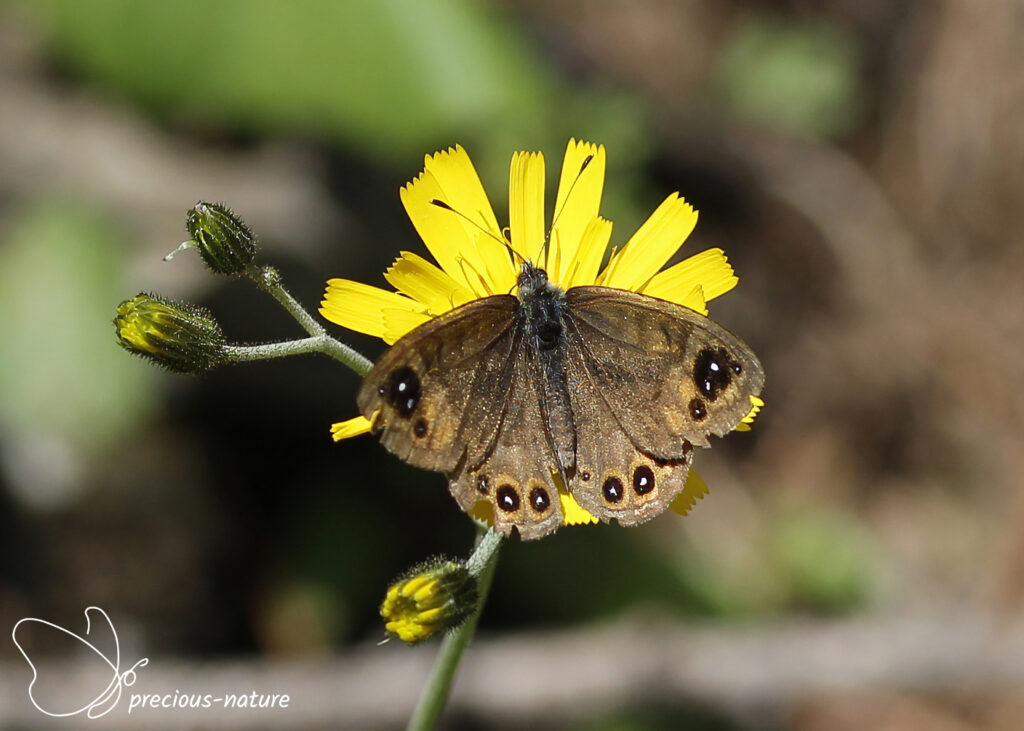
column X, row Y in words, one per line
column 323, row 344
column 438, row 686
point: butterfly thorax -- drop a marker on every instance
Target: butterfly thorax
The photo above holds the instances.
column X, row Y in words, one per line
column 542, row 306
column 532, row 280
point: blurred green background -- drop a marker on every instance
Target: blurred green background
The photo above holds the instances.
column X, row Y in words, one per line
column 861, row 164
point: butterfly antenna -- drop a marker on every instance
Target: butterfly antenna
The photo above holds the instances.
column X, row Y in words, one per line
column 499, row 239
column 568, row 195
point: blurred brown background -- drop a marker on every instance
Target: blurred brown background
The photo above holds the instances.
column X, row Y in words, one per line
column 859, row 562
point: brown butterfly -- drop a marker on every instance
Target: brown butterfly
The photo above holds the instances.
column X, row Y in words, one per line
column 603, row 390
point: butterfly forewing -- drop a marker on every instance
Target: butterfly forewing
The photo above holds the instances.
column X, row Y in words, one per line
column 439, row 390
column 669, row 376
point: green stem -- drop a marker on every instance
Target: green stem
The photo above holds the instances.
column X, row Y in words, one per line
column 319, row 344
column 485, row 552
column 435, row 693
column 269, row 280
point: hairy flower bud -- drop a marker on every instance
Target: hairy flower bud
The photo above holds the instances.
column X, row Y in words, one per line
column 436, row 596
column 179, row 336
column 225, row 242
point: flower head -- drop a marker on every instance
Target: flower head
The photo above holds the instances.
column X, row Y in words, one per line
column 452, row 214
column 179, row 336
column 225, row 242
column 439, row 595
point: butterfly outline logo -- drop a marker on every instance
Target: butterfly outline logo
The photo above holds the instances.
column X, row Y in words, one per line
column 111, row 694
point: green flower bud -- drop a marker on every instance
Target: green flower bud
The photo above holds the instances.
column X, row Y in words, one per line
column 436, row 596
column 225, row 242
column 179, row 336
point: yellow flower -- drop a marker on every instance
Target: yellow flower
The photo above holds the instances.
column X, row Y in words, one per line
column 437, row 596
column 452, row 214
column 176, row 335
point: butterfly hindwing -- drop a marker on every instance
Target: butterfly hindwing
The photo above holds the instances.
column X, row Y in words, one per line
column 515, row 476
column 669, row 376
column 614, row 479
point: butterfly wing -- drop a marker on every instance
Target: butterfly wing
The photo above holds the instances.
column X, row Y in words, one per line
column 648, row 380
column 515, row 476
column 438, row 391
column 613, row 478
column 456, row 395
column 669, row 375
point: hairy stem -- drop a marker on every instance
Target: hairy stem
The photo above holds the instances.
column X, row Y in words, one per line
column 269, row 280
column 319, row 344
column 435, row 693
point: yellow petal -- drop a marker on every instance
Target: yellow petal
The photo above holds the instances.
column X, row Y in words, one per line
column 489, row 267
column 710, row 270
column 593, row 245
column 651, row 246
column 429, row 615
column 501, row 271
column 426, row 591
column 577, row 204
column 462, row 189
column 526, row 204
column 350, row 428
column 572, row 513
column 755, row 408
column 398, row 322
column 360, row 307
column 450, row 231
column 694, row 489
column 416, row 277
column 484, row 512
column 412, row 585
column 694, row 300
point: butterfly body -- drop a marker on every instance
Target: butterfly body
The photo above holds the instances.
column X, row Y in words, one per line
column 597, row 392
column 543, row 313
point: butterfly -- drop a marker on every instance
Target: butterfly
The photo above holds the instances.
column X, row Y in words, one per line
column 601, row 392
